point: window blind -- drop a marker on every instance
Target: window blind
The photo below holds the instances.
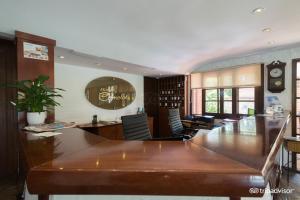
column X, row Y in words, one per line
column 243, row 76
column 196, row 80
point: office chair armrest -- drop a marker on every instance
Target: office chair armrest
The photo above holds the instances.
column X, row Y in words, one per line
column 191, row 129
column 167, row 139
column 173, row 138
column 184, row 136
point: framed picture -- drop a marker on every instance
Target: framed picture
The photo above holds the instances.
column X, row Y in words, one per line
column 35, row 51
column 272, row 100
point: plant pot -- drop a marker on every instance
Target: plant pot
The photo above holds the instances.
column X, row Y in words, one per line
column 36, row 118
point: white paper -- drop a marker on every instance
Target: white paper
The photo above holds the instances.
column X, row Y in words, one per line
column 46, row 134
column 204, row 131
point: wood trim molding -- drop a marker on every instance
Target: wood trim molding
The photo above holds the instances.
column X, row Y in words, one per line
column 31, row 68
column 35, row 38
column 294, row 95
column 188, row 95
column 234, row 102
column 260, row 94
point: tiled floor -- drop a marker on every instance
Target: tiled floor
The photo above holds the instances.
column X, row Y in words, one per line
column 8, row 188
column 298, row 161
column 294, row 183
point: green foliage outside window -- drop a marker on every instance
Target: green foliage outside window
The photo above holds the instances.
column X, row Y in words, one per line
column 211, row 97
column 213, row 100
column 227, row 94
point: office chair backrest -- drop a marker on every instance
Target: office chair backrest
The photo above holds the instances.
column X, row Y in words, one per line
column 135, row 127
column 175, row 122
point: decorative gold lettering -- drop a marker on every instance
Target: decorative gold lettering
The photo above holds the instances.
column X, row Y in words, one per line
column 110, row 93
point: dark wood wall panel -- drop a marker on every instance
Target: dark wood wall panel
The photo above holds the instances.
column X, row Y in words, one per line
column 151, row 101
column 260, row 94
column 31, row 68
column 8, row 115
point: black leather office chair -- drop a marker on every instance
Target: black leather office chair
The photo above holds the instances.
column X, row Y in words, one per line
column 176, row 124
column 135, row 127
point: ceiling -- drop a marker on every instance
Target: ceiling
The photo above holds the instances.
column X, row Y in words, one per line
column 168, row 36
column 72, row 57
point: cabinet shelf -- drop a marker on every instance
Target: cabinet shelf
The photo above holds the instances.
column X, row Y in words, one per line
column 171, row 92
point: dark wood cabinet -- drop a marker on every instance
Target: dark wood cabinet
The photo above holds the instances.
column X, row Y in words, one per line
column 171, row 92
column 171, row 95
column 159, row 96
column 8, row 114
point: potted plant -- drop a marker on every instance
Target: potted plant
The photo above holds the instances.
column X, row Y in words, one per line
column 35, row 98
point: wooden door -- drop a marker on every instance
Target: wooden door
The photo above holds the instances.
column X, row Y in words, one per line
column 296, row 108
column 8, row 115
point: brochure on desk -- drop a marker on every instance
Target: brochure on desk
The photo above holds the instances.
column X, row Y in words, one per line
column 50, row 127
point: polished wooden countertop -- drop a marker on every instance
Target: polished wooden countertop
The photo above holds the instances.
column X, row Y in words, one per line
column 227, row 161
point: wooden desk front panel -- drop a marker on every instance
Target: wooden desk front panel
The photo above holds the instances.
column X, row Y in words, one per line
column 113, row 131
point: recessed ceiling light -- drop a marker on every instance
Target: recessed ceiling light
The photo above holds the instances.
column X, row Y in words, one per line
column 266, row 30
column 61, row 57
column 125, row 68
column 258, row 10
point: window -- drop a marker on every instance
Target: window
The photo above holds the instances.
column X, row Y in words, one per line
column 227, row 101
column 246, row 100
column 230, row 92
column 218, row 101
column 212, row 101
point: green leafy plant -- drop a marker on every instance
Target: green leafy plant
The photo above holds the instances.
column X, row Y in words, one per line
column 35, row 95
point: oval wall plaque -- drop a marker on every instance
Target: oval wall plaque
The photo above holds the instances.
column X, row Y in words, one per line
column 110, row 93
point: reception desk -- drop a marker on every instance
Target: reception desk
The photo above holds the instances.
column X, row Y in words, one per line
column 225, row 162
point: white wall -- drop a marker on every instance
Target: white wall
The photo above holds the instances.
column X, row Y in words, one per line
column 75, row 106
column 283, row 55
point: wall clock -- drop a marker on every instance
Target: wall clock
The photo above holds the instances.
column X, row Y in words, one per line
column 276, row 76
